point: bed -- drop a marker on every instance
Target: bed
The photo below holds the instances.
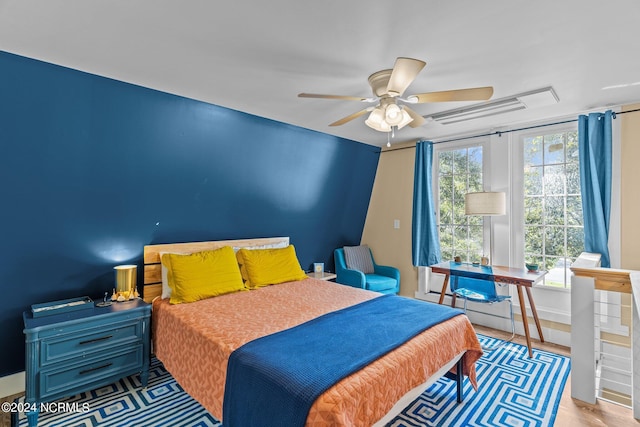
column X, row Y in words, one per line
column 194, row 341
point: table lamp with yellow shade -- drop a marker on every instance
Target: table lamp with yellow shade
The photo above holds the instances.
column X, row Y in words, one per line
column 126, row 277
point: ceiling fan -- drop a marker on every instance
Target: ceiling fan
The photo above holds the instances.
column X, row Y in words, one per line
column 392, row 111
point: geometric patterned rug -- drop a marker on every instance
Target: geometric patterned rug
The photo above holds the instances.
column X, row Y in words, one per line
column 513, row 391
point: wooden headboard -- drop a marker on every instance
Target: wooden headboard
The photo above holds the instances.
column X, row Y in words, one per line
column 153, row 269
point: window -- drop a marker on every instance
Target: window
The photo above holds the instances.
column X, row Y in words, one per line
column 459, row 171
column 553, row 231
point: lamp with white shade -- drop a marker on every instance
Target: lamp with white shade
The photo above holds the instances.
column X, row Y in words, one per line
column 486, row 203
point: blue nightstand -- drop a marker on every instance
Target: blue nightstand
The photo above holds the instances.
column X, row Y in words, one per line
column 73, row 352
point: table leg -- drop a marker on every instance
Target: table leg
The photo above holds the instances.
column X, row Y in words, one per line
column 444, row 288
column 535, row 313
column 525, row 322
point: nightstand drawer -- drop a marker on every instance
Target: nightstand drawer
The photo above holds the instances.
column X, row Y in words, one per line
column 62, row 379
column 82, row 343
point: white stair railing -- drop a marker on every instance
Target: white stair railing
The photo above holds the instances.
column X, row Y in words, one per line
column 592, row 356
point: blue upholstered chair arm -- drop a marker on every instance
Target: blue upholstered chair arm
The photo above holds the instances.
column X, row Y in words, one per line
column 353, row 278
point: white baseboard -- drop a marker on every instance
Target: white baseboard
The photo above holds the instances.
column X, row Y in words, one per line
column 12, row 384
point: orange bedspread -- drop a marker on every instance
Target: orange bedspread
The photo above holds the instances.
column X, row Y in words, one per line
column 194, row 342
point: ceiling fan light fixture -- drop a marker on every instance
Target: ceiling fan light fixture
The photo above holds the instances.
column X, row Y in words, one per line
column 393, row 114
column 376, row 120
column 406, row 119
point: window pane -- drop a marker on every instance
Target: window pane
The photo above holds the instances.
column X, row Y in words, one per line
column 460, row 172
column 533, row 241
column 533, row 151
column 460, row 161
column 461, row 239
column 445, row 163
column 554, row 241
column 533, row 210
column 474, row 220
column 574, row 210
column 475, row 183
column 533, row 181
column 554, row 149
column 460, row 189
column 554, row 179
column 572, row 147
column 446, row 238
column 557, row 268
column 446, row 199
column 475, row 161
column 573, row 178
column 554, row 210
column 475, row 240
column 575, row 241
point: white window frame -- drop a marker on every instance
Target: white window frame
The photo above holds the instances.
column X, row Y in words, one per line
column 517, row 208
column 436, row 186
column 552, row 303
column 432, row 283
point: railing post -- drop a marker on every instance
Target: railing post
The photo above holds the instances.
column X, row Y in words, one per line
column 583, row 362
column 635, row 344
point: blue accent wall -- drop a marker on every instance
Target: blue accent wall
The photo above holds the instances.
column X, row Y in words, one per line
column 93, row 169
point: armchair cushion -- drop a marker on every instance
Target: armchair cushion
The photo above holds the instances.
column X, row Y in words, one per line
column 378, row 283
column 359, row 258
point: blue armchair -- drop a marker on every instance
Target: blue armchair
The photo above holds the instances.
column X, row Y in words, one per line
column 384, row 279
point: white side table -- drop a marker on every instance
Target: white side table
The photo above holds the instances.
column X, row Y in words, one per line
column 323, row 276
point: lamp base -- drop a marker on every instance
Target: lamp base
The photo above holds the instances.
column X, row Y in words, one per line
column 103, row 304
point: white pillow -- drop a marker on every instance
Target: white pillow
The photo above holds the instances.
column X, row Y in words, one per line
column 278, row 245
column 166, row 290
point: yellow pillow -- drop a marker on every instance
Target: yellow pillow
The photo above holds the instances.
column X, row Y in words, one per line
column 263, row 267
column 201, row 275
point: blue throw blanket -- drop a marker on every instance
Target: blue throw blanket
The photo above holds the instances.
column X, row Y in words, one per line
column 274, row 380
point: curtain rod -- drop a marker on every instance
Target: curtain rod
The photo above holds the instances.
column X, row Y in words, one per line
column 499, row 133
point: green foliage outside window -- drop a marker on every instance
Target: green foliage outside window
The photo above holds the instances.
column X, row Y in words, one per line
column 459, row 172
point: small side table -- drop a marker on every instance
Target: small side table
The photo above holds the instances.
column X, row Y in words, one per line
column 323, row 276
column 73, row 352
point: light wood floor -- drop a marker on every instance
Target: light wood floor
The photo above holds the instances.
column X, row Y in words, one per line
column 571, row 412
column 574, row 412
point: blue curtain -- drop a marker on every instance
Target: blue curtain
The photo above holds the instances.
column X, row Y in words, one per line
column 426, row 243
column 594, row 146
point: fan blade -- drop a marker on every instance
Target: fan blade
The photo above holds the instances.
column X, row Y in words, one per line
column 417, row 121
column 404, row 72
column 471, row 94
column 351, row 117
column 317, row 95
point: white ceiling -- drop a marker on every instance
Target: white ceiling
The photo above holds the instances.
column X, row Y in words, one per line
column 256, row 56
